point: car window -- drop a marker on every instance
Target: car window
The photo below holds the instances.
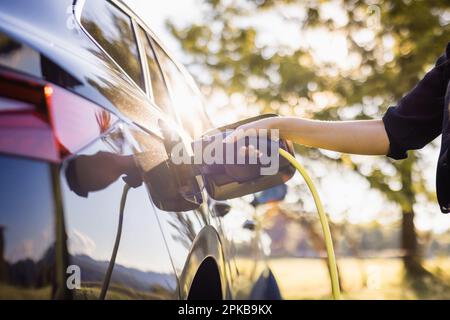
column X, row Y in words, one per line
column 159, row 89
column 113, row 31
column 186, row 99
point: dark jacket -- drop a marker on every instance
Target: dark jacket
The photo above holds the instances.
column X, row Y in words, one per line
column 421, row 116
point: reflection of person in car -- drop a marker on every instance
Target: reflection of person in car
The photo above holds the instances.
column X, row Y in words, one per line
column 419, row 117
column 87, row 173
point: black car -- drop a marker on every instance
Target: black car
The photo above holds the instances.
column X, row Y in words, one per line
column 91, row 101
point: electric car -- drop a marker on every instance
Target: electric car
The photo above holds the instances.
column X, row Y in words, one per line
column 90, row 102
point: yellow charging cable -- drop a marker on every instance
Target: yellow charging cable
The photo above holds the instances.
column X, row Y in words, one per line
column 323, row 221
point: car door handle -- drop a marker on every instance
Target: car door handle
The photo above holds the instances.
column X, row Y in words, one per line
column 221, row 208
column 249, row 225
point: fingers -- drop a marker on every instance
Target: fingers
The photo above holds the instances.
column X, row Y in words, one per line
column 249, row 151
column 241, row 132
column 257, row 128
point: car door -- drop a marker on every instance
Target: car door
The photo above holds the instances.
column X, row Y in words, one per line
column 92, row 184
column 191, row 235
column 242, row 246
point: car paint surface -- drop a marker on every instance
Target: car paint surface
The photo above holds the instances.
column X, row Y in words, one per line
column 160, row 250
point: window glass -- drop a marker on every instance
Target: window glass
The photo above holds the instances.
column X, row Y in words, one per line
column 187, row 101
column 18, row 56
column 112, row 29
column 160, row 93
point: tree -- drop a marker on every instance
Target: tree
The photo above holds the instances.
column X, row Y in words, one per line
column 390, row 45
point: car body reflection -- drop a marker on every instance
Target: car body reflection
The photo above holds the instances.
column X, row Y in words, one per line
column 27, row 237
column 90, row 183
column 58, row 214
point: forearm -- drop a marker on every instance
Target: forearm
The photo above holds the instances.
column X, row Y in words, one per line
column 367, row 137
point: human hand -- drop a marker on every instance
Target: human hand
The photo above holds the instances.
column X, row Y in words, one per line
column 264, row 127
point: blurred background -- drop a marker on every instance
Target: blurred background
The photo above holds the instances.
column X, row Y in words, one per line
column 333, row 60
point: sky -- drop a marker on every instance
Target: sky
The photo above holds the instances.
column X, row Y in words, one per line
column 352, row 196
column 156, row 12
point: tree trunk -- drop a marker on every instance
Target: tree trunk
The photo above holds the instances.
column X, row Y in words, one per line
column 410, row 246
column 412, row 255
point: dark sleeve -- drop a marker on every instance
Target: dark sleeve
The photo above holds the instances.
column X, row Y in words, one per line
column 417, row 118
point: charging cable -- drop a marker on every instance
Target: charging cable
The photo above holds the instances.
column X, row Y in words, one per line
column 323, row 221
column 112, row 261
column 322, row 216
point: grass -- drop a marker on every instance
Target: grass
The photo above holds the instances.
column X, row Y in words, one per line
column 16, row 293
column 361, row 279
column 300, row 278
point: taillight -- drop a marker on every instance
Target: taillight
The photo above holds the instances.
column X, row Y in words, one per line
column 44, row 121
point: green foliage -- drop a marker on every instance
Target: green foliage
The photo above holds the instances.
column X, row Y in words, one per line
column 405, row 37
column 416, row 29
